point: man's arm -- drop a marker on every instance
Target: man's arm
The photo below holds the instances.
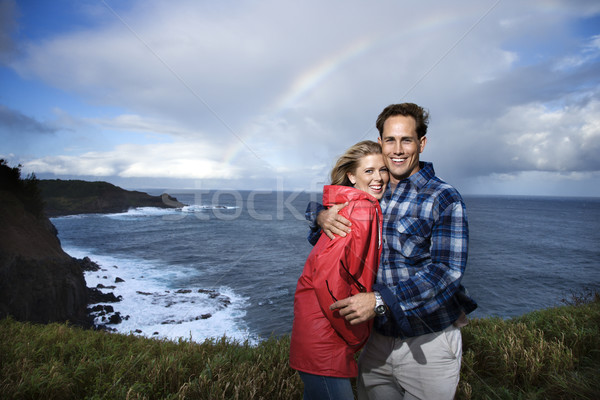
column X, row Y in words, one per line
column 333, row 223
column 328, row 220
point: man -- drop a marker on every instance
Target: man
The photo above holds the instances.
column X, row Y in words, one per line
column 417, row 301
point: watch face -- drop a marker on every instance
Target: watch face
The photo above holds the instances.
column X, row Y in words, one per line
column 380, row 310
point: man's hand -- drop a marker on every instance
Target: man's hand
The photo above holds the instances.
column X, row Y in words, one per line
column 356, row 309
column 332, row 223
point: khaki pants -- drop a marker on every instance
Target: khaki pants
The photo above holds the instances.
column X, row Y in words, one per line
column 425, row 367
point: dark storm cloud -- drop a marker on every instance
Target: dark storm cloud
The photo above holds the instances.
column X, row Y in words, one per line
column 12, row 122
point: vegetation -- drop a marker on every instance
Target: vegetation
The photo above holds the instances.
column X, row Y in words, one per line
column 548, row 354
column 66, row 197
column 26, row 190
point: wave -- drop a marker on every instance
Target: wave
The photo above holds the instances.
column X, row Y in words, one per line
column 144, row 212
column 196, row 207
column 150, row 307
column 155, row 211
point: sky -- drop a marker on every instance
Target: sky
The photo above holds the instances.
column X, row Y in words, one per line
column 265, row 95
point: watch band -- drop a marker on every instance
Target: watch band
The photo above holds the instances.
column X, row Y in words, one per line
column 380, row 307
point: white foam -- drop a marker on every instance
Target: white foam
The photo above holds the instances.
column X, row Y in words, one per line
column 151, row 308
column 144, row 212
column 197, row 207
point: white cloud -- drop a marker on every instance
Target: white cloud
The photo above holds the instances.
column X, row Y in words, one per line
column 247, row 90
column 167, row 160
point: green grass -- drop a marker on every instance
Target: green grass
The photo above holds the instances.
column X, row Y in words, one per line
column 548, row 354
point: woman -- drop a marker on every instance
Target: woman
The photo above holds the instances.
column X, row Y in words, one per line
column 323, row 343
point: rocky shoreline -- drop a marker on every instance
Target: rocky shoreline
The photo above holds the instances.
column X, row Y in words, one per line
column 101, row 298
column 39, row 281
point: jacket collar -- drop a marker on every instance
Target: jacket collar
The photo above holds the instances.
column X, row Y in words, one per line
column 335, row 194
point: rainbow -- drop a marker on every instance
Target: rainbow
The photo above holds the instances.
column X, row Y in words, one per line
column 312, row 77
column 303, row 84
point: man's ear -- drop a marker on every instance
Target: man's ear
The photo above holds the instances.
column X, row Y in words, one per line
column 422, row 144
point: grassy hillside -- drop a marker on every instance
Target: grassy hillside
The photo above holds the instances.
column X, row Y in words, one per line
column 549, row 354
column 67, row 197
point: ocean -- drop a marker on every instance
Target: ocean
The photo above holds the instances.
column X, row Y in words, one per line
column 228, row 263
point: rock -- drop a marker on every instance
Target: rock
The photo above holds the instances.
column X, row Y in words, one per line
column 119, row 280
column 115, row 318
column 87, row 264
column 96, row 296
column 39, row 282
column 101, row 309
column 101, row 286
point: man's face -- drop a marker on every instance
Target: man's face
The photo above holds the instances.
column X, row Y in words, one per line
column 401, row 147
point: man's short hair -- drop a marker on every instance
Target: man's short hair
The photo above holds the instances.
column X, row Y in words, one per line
column 420, row 115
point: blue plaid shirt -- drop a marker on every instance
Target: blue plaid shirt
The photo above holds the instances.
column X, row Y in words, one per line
column 423, row 257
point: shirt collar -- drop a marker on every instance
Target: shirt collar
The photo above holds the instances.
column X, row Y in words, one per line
column 418, row 179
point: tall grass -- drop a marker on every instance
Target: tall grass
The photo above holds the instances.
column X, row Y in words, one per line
column 57, row 361
column 549, row 354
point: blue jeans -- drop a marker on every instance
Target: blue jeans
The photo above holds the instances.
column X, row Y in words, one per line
column 318, row 387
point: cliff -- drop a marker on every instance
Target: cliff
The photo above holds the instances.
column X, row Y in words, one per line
column 68, row 197
column 39, row 282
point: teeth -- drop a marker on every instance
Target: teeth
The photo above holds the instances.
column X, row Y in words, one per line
column 397, row 159
column 375, row 187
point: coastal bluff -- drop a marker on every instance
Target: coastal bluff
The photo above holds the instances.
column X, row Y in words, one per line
column 70, row 197
column 39, row 282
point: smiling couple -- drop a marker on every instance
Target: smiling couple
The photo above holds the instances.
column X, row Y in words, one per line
column 386, row 274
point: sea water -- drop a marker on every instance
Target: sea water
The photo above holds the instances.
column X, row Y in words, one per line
column 228, row 263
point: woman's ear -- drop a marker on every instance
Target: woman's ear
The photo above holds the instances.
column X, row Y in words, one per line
column 352, row 178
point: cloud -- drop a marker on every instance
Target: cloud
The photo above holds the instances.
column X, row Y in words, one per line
column 273, row 88
column 170, row 160
column 13, row 122
column 8, row 27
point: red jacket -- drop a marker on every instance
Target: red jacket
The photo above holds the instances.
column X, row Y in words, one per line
column 323, row 342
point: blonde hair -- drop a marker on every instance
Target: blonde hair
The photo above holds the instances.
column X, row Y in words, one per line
column 348, row 162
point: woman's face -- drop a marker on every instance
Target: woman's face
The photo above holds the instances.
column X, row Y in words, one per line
column 371, row 175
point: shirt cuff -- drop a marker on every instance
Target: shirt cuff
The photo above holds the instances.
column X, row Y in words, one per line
column 312, row 211
column 398, row 314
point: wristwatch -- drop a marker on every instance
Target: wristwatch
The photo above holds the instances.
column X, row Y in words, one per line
column 380, row 307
